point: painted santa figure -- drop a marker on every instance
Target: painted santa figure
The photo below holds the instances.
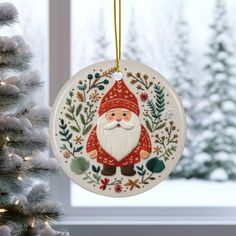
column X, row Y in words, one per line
column 119, row 139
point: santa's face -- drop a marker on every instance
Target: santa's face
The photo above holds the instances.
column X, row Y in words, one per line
column 119, row 114
column 118, row 132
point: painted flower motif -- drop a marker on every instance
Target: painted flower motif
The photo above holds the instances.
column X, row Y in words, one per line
column 158, row 150
column 94, row 97
column 78, row 140
column 132, row 184
column 104, row 183
column 144, row 97
column 66, row 154
column 118, row 188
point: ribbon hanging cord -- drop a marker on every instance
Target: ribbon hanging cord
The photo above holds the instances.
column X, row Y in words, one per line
column 117, row 34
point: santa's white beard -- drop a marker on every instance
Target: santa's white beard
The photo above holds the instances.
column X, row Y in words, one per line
column 118, row 141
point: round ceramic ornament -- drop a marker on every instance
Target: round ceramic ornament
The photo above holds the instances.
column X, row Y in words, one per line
column 117, row 134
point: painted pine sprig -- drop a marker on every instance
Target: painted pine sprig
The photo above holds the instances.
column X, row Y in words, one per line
column 156, row 108
column 65, row 133
column 160, row 98
column 72, row 113
column 87, row 118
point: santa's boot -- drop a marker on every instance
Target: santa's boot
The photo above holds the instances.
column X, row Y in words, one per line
column 108, row 170
column 128, row 170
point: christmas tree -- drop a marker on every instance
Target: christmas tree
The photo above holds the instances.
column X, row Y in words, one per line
column 216, row 141
column 132, row 44
column 24, row 206
column 185, row 85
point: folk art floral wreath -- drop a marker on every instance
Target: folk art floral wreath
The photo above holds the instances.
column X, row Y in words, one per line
column 77, row 120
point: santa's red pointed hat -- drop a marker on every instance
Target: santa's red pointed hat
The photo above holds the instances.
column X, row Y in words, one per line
column 119, row 96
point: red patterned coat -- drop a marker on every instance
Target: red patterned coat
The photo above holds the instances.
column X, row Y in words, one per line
column 132, row 158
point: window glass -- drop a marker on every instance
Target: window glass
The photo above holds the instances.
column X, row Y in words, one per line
column 32, row 25
column 191, row 43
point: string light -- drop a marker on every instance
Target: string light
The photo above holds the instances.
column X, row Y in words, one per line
column 2, row 83
column 33, row 224
column 8, row 139
column 10, row 154
column 17, row 202
column 20, row 178
column 2, row 210
column 27, row 158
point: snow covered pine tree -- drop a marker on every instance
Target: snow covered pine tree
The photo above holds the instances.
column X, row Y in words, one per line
column 24, row 207
column 101, row 42
column 216, row 141
column 185, row 85
column 132, row 44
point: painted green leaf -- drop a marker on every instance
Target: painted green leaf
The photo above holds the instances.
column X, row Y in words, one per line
column 94, row 176
column 73, row 108
column 69, row 116
column 155, row 165
column 139, row 167
column 79, row 165
column 148, row 125
column 75, row 128
column 87, row 129
column 68, row 101
column 82, row 87
column 69, row 136
column 94, row 168
column 161, row 125
column 82, row 119
column 78, row 149
column 78, row 109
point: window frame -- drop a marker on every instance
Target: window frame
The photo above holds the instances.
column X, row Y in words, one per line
column 59, row 72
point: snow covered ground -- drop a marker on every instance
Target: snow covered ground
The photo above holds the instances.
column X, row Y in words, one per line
column 168, row 193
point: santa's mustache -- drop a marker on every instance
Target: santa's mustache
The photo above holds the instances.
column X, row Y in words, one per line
column 122, row 124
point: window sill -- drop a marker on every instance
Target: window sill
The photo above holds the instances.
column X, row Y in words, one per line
column 149, row 216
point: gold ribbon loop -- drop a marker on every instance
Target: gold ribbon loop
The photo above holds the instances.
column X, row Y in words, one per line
column 117, row 37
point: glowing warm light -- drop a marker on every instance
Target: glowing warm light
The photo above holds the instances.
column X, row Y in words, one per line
column 8, row 139
column 17, row 202
column 2, row 210
column 27, row 158
column 2, row 83
column 33, row 223
column 10, row 154
column 20, row 178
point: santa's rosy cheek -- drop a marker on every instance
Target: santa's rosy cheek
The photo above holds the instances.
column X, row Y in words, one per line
column 126, row 118
column 110, row 118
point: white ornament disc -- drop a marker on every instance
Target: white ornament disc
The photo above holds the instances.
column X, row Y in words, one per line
column 117, row 134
